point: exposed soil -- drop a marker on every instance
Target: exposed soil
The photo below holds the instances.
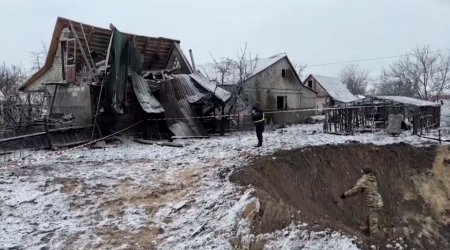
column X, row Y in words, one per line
column 414, row 183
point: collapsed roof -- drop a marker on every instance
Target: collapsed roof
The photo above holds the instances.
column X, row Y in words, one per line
column 118, row 62
column 156, row 51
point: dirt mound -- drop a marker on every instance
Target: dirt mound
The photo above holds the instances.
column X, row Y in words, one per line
column 414, row 183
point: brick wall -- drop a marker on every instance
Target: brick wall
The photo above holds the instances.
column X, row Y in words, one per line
column 53, row 75
column 75, row 100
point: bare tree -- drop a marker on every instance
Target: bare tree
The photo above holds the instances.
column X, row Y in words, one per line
column 38, row 57
column 300, row 68
column 234, row 73
column 10, row 77
column 355, row 79
column 245, row 66
column 423, row 73
column 393, row 82
column 224, row 69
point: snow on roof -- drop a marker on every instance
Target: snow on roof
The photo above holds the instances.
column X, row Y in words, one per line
column 335, row 88
column 407, row 100
column 232, row 76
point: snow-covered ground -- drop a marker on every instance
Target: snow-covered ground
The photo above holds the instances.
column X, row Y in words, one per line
column 143, row 196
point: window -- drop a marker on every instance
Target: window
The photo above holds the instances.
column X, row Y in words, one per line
column 281, row 102
column 283, row 73
column 69, row 56
column 310, row 84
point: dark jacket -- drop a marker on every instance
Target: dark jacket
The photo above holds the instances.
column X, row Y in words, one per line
column 258, row 116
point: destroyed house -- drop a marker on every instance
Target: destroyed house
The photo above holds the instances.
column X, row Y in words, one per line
column 331, row 91
column 103, row 80
column 271, row 83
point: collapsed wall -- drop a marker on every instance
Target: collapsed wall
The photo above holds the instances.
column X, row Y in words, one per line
column 414, row 183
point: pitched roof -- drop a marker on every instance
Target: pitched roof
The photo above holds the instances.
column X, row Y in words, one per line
column 407, row 100
column 232, row 76
column 156, row 51
column 335, row 88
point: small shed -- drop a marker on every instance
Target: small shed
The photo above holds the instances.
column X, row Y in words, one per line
column 373, row 113
column 331, row 91
column 423, row 114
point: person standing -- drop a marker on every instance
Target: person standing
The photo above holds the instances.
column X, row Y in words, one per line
column 367, row 185
column 258, row 119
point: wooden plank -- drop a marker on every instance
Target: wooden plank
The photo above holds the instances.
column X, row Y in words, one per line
column 170, row 144
column 21, row 137
column 70, row 128
column 91, row 33
column 91, row 70
column 108, row 53
column 190, row 137
column 87, row 45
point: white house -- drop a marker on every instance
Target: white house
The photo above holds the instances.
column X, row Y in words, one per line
column 272, row 83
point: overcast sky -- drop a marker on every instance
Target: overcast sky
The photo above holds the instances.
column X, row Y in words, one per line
column 309, row 31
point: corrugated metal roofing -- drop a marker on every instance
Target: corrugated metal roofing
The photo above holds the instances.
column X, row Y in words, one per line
column 335, row 88
column 184, row 88
column 174, row 100
column 407, row 100
column 144, row 96
column 211, row 87
column 156, row 50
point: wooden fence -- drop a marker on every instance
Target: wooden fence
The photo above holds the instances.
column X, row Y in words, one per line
column 349, row 120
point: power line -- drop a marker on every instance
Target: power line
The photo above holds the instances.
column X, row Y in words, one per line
column 369, row 59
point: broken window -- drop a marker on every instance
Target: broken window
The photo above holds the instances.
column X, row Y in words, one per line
column 310, row 84
column 69, row 56
column 281, row 102
column 283, row 73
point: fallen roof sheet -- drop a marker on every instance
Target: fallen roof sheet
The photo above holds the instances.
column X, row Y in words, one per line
column 335, row 88
column 184, row 88
column 211, row 87
column 407, row 100
column 178, row 109
column 144, row 96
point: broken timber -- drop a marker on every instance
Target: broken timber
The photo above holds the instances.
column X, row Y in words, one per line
column 170, row 144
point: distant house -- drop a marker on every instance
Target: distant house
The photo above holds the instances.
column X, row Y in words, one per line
column 273, row 84
column 331, row 91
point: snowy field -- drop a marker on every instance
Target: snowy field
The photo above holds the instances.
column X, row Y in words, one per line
column 134, row 196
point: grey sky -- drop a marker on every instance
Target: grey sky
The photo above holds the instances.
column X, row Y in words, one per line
column 312, row 32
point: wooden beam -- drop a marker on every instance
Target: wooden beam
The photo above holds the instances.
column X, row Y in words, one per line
column 103, row 82
column 87, row 45
column 90, row 35
column 146, row 45
column 134, row 41
column 83, row 53
column 21, row 137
